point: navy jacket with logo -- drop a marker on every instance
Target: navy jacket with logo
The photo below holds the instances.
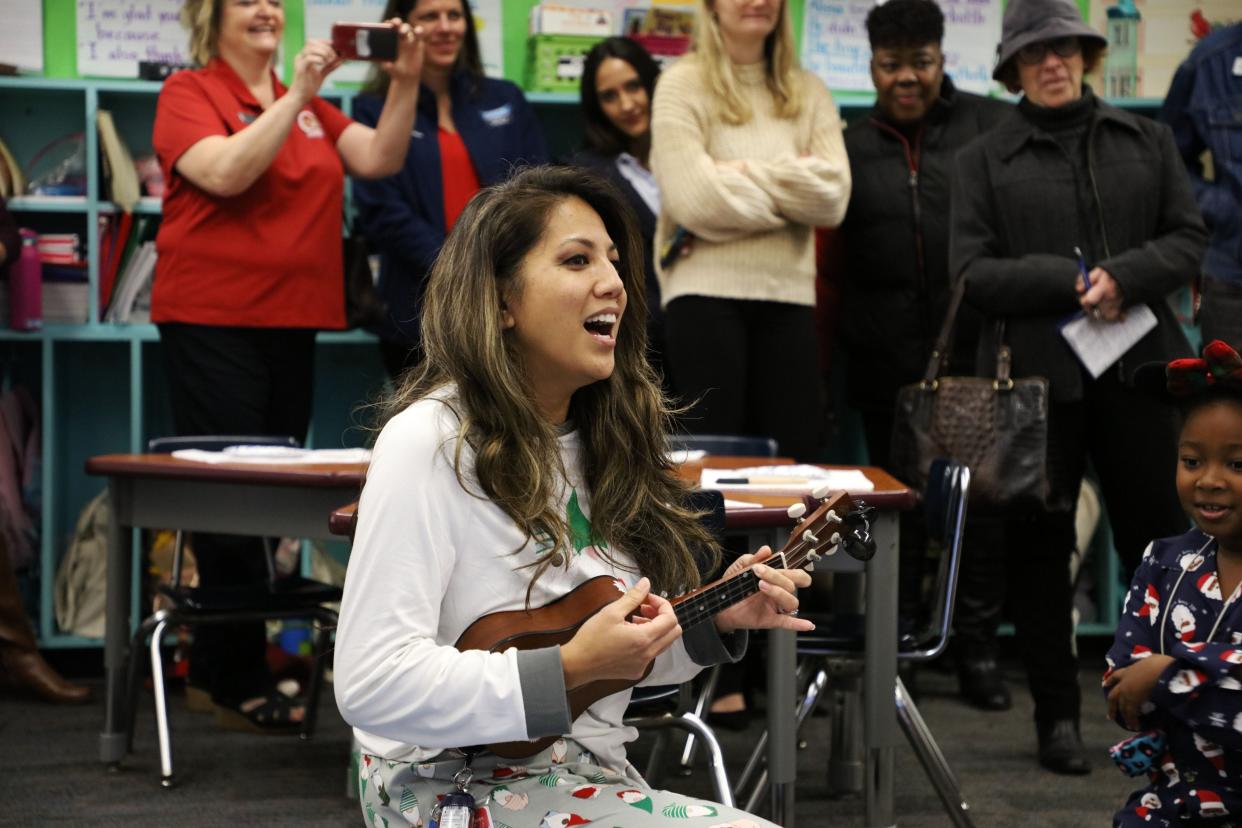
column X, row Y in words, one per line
column 402, row 216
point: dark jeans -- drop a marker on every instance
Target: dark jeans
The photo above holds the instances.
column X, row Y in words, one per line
column 747, row 367
column 245, row 381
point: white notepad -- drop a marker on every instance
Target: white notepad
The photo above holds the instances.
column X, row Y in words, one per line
column 1099, row 343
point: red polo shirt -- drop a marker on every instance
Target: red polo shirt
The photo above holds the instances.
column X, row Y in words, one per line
column 269, row 257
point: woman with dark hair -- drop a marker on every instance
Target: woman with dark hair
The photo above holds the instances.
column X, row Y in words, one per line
column 523, row 457
column 618, row 84
column 1064, row 173
column 470, row 131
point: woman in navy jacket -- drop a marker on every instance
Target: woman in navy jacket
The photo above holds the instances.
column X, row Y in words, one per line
column 470, row 131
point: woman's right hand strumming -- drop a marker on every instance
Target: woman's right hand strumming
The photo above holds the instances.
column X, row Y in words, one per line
column 611, row 645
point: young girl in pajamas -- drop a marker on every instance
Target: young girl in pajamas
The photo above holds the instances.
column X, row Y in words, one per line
column 1173, row 667
column 525, row 456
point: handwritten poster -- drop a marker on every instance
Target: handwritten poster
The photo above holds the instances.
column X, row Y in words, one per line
column 21, row 39
column 114, row 35
column 835, row 45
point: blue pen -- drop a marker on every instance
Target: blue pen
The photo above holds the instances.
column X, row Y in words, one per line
column 1082, row 268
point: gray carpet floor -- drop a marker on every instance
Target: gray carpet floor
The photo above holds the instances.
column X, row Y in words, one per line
column 49, row 774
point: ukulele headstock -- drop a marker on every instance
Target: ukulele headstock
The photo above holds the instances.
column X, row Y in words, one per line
column 828, row 521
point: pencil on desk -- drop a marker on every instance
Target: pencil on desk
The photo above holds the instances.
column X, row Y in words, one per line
column 760, row 480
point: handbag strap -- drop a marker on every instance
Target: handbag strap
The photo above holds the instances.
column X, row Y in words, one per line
column 939, row 358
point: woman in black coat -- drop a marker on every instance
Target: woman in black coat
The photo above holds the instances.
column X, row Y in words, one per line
column 618, row 83
column 1068, row 172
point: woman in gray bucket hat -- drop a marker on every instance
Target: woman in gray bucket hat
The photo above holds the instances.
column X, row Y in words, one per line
column 1071, row 206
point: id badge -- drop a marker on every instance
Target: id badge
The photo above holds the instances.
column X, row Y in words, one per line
column 456, row 811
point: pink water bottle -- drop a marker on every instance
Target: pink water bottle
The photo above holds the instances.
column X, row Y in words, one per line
column 26, row 286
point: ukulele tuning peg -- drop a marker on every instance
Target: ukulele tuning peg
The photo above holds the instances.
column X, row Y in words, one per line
column 832, row 517
column 836, row 538
column 796, row 511
column 813, row 556
column 820, row 492
column 809, row 537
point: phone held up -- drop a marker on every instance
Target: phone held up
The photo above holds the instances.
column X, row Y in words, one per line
column 365, row 41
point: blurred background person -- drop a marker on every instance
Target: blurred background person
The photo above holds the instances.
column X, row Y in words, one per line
column 618, row 85
column 470, row 131
column 21, row 665
column 896, row 289
column 1068, row 171
column 747, row 150
column 250, row 267
column 1204, row 108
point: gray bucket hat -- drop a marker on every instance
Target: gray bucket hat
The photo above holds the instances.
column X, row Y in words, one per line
column 1030, row 21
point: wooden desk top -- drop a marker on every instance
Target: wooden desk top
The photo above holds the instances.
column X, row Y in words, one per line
column 889, row 494
column 167, row 467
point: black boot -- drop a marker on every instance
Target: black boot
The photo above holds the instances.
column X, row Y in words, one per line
column 982, row 684
column 1061, row 749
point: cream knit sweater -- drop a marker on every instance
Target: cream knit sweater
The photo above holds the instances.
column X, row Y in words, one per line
column 753, row 228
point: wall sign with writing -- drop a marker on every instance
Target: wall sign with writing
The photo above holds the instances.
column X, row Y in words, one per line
column 114, row 35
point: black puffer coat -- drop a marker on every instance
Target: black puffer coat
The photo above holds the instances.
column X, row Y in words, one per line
column 896, row 236
column 1018, row 213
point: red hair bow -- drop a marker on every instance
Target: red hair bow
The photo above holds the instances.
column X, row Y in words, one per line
column 1220, row 365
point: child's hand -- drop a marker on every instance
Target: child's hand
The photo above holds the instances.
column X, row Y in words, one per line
column 1132, row 688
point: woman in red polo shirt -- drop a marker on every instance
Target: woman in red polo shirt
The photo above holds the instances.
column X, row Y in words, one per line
column 250, row 267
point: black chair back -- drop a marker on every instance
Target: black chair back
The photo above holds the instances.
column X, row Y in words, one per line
column 214, row 442
column 744, row 446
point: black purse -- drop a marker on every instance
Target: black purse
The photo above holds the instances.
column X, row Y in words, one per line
column 997, row 427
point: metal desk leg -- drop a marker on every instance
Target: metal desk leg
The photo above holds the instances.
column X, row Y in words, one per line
column 112, row 741
column 880, row 674
column 782, row 727
column 845, row 758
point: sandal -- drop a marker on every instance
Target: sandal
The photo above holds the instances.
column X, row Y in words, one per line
column 274, row 714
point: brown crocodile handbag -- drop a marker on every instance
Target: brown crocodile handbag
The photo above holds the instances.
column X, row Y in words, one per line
column 996, row 426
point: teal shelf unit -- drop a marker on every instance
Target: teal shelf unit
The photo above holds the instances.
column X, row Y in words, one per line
column 100, row 385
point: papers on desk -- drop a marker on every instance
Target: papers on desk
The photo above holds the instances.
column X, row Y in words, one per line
column 685, row 456
column 729, row 503
column 276, row 454
column 793, row 480
column 1099, row 343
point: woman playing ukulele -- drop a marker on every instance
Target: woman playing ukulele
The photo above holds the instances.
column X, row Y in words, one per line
column 522, row 458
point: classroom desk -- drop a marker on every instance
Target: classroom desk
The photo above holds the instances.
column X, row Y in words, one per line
column 159, row 491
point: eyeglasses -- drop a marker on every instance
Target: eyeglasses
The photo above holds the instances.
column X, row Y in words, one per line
column 1033, row 53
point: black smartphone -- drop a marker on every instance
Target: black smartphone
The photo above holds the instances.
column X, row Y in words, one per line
column 365, row 41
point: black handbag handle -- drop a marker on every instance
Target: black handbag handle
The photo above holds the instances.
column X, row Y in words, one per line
column 937, row 363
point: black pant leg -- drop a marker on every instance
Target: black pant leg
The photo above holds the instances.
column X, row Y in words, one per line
column 706, row 359
column 1041, row 597
column 221, row 382
column 785, row 397
column 1133, row 444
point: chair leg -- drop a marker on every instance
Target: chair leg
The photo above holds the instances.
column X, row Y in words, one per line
column 932, row 760
column 810, row 701
column 706, row 694
column 161, row 704
column 715, row 756
column 319, row 659
column 654, row 774
column 845, row 763
column 133, row 662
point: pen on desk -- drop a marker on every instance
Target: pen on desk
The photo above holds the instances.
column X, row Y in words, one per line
column 762, row 480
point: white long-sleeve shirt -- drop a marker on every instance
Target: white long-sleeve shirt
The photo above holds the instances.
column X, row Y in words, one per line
column 428, row 560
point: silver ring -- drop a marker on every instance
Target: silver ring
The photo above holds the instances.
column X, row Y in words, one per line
column 792, row 612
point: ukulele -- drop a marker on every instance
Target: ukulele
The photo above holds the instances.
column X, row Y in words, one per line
column 834, row 522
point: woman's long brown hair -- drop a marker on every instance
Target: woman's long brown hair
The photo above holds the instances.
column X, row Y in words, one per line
column 637, row 500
